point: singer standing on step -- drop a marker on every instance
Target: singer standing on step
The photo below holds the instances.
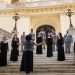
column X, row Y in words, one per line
column 27, row 58
column 49, row 42
column 68, row 40
column 3, row 51
column 15, row 48
column 39, row 47
column 60, row 48
column 43, row 35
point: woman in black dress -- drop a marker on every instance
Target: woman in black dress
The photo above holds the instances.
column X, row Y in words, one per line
column 60, row 47
column 39, row 47
column 15, row 48
column 3, row 52
column 27, row 58
column 49, row 42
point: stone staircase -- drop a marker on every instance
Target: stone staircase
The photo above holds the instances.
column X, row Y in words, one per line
column 50, row 64
column 43, row 64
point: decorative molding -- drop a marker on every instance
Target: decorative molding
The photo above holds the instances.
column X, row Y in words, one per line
column 55, row 9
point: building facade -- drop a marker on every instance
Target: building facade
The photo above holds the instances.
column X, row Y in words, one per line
column 36, row 14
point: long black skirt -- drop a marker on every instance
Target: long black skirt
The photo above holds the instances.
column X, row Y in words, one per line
column 14, row 55
column 39, row 49
column 74, row 47
column 3, row 58
column 27, row 62
column 49, row 51
column 61, row 54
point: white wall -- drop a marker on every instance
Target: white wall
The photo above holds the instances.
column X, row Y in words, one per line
column 64, row 22
column 23, row 24
column 7, row 23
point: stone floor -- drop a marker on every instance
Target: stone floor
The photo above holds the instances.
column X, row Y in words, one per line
column 38, row 74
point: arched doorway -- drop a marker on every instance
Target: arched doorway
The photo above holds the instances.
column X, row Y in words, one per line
column 45, row 28
column 41, row 59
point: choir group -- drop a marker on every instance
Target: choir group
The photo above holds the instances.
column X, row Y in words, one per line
column 52, row 41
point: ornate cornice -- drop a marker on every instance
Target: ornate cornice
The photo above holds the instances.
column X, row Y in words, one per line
column 59, row 9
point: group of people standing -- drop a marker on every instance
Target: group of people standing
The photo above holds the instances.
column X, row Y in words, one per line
column 4, row 48
column 52, row 41
column 62, row 44
column 27, row 45
column 49, row 39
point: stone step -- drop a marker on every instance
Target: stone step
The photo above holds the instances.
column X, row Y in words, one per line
column 44, row 64
column 58, row 68
column 38, row 74
column 56, row 62
column 54, row 71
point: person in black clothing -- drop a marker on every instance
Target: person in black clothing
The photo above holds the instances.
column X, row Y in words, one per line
column 60, row 47
column 74, row 47
column 15, row 48
column 49, row 42
column 39, row 47
column 3, row 52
